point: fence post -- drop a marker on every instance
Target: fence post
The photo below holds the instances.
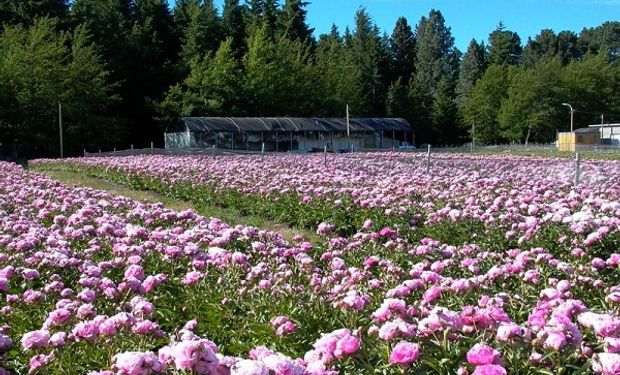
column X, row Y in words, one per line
column 132, row 146
column 577, row 168
column 114, row 152
column 213, row 151
column 84, row 152
column 325, row 156
column 428, row 160
column 152, row 148
column 100, row 151
column 262, row 149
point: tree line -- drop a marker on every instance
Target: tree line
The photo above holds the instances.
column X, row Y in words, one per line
column 122, row 69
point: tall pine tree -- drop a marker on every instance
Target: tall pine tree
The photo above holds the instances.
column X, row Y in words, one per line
column 472, row 68
column 436, row 61
column 370, row 53
column 233, row 25
column 402, row 51
column 24, row 12
column 203, row 32
column 293, row 20
column 504, row 46
column 153, row 51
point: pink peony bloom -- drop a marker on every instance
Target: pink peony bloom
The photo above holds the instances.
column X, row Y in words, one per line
column 191, row 355
column 606, row 363
column 490, row 370
column 137, row 363
column 39, row 361
column 404, row 353
column 35, row 339
column 481, row 354
column 249, row 367
column 347, row 345
column 5, row 343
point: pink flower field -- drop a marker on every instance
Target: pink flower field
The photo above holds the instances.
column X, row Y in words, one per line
column 487, row 265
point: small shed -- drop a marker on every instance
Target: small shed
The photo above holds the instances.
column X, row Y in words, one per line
column 580, row 138
column 287, row 133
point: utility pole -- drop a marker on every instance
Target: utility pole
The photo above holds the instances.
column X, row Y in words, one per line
column 60, row 128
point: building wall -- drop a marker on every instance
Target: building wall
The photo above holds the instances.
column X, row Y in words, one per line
column 282, row 141
column 570, row 141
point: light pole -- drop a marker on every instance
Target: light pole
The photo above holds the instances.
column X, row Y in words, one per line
column 572, row 111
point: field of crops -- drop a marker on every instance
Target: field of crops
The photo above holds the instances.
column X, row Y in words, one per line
column 485, row 265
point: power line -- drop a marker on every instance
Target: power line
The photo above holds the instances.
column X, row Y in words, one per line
column 598, row 113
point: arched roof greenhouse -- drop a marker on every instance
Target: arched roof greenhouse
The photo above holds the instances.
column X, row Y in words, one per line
column 287, row 133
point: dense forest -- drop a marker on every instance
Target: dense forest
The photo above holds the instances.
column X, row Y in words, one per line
column 122, row 69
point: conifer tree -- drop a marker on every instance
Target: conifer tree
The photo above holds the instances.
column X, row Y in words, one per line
column 293, row 20
column 504, row 46
column 472, row 68
column 233, row 26
column 24, row 12
column 402, row 50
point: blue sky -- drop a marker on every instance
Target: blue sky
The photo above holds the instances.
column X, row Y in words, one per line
column 468, row 18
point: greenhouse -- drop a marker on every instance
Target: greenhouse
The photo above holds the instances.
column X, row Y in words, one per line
column 287, row 133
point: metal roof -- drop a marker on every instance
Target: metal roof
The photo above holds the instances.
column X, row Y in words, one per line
column 296, row 124
column 587, row 130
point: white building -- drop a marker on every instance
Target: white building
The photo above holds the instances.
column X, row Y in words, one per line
column 610, row 133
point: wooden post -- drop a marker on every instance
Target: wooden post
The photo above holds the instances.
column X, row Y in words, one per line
column 325, row 156
column 577, row 168
column 393, row 138
column 428, row 160
column 262, row 150
column 213, row 151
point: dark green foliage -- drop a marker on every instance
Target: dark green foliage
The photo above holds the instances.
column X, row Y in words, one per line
column 472, row 68
column 432, row 87
column 203, row 30
column 211, row 88
column 40, row 68
column 402, row 50
column 504, row 46
column 292, row 20
column 337, row 75
column 24, row 12
column 370, row 62
column 484, row 104
column 234, row 26
column 604, row 38
column 397, row 102
column 532, row 108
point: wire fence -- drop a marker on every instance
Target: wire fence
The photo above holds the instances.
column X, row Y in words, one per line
column 212, row 151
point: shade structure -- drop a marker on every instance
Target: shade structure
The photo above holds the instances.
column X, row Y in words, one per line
column 295, row 124
column 286, row 133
